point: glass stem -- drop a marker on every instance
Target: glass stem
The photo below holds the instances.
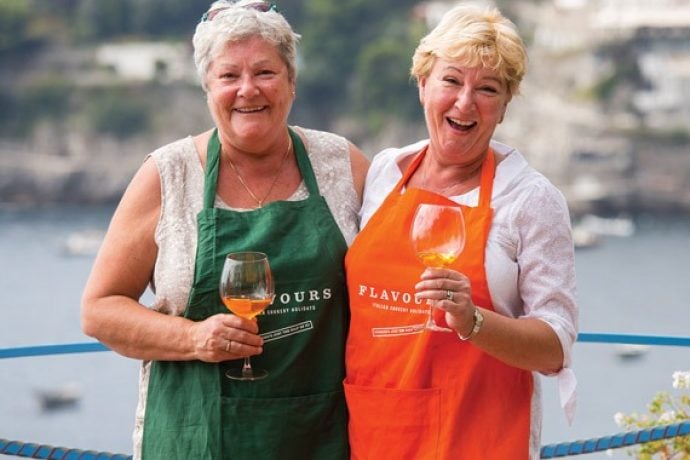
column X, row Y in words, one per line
column 430, row 318
column 246, row 367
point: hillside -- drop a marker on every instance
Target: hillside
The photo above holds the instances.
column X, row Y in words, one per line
column 600, row 113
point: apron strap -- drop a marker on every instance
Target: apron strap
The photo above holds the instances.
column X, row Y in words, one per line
column 304, row 164
column 213, row 162
column 486, row 181
column 211, row 174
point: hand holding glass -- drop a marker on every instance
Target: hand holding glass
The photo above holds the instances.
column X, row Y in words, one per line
column 438, row 238
column 246, row 289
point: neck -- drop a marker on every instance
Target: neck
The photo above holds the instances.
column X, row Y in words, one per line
column 255, row 154
column 450, row 180
column 245, row 174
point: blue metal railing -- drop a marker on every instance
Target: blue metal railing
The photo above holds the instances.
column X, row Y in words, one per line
column 630, row 438
column 636, row 339
column 43, row 350
column 564, row 449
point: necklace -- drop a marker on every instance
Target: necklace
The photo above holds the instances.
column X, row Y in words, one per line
column 261, row 201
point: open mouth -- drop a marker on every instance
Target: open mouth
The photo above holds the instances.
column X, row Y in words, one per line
column 461, row 125
column 250, row 109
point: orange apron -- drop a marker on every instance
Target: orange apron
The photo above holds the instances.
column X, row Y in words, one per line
column 414, row 394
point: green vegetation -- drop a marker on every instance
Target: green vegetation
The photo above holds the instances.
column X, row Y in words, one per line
column 354, row 54
column 26, row 105
column 117, row 112
column 14, row 19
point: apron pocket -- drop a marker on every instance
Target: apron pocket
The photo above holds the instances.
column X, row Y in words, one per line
column 303, row 427
column 393, row 423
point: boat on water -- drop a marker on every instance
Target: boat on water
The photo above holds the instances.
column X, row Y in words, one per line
column 83, row 243
column 589, row 230
column 63, row 397
column 585, row 238
column 631, row 350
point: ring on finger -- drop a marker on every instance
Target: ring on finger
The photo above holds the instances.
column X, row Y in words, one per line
column 450, row 295
column 227, row 345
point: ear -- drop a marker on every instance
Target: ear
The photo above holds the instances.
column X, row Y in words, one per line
column 420, row 87
column 505, row 109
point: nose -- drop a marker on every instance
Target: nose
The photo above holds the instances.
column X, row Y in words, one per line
column 465, row 97
column 247, row 86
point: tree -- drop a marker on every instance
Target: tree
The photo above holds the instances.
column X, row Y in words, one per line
column 334, row 36
column 14, row 21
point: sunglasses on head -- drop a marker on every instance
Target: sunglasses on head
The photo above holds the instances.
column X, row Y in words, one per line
column 258, row 6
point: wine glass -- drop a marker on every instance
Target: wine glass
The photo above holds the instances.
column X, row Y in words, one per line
column 246, row 289
column 438, row 238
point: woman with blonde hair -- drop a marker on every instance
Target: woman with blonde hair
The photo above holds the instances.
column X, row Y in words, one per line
column 508, row 300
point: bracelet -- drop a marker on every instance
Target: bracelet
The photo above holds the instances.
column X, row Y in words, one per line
column 478, row 321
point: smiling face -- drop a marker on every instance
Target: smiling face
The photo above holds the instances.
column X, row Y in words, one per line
column 462, row 106
column 250, row 94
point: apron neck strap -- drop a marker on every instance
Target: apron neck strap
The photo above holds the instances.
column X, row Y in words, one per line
column 213, row 162
column 304, row 164
column 212, row 166
column 486, row 180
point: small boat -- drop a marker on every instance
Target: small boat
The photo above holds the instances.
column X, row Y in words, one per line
column 589, row 230
column 631, row 350
column 83, row 243
column 63, row 397
column 609, row 226
column 584, row 238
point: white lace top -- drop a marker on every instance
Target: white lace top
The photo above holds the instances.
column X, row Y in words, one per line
column 530, row 262
column 182, row 181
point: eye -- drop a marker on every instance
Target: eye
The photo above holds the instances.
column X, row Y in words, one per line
column 451, row 80
column 266, row 73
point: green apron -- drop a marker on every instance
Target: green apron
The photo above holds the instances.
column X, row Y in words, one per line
column 298, row 412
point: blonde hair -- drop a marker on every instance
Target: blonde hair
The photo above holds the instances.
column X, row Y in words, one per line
column 474, row 36
column 234, row 21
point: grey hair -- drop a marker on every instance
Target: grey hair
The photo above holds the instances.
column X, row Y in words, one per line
column 236, row 22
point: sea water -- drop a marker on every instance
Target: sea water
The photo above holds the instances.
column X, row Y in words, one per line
column 638, row 285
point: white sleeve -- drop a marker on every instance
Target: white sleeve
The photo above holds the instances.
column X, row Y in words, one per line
column 546, row 279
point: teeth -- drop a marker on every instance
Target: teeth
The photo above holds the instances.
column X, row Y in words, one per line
column 461, row 123
column 249, row 109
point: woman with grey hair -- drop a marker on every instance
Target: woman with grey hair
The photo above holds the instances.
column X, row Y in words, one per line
column 251, row 183
column 506, row 304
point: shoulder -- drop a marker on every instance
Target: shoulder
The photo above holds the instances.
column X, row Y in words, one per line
column 181, row 178
column 322, row 142
column 390, row 157
column 527, row 200
column 383, row 174
column 174, row 151
column 386, row 164
column 176, row 162
column 516, row 177
column 331, row 153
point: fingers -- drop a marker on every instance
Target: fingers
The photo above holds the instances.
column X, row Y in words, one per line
column 450, row 291
column 445, row 273
column 237, row 322
column 235, row 349
column 224, row 337
column 443, row 285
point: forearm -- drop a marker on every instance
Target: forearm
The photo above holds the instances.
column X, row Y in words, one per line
column 135, row 331
column 526, row 343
